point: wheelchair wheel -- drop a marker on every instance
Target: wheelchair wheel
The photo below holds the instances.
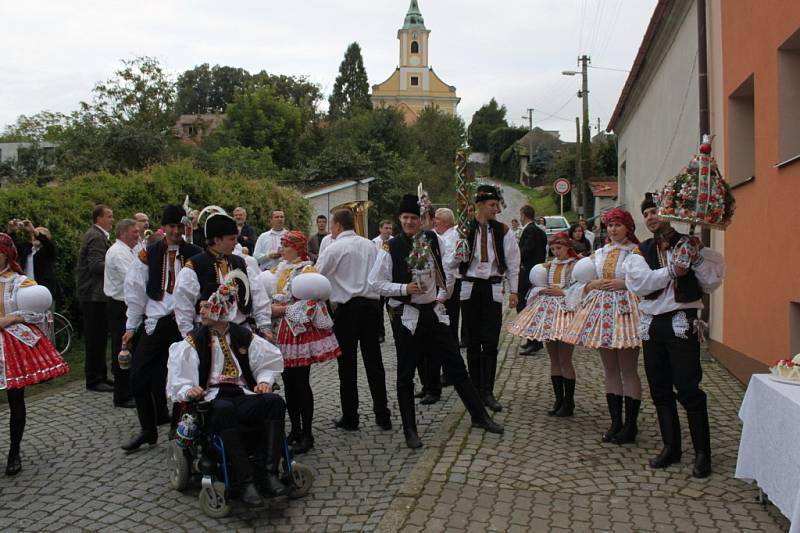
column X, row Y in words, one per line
column 61, row 333
column 179, row 468
column 302, row 479
column 212, row 500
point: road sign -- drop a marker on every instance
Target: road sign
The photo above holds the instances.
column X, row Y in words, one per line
column 562, row 186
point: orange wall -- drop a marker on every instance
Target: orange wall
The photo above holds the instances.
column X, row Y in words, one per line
column 762, row 245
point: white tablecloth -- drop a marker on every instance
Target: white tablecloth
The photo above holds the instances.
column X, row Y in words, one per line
column 769, row 452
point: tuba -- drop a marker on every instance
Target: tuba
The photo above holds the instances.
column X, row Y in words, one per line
column 360, row 209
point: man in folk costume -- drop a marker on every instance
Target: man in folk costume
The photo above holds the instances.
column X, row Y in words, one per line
column 419, row 319
column 205, row 271
column 493, row 254
column 225, row 364
column 149, row 290
column 671, row 278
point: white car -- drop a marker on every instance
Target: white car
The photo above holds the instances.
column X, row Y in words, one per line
column 555, row 224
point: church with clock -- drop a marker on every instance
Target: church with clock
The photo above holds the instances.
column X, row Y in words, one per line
column 414, row 85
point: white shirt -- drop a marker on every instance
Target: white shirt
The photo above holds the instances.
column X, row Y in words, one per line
column 118, row 260
column 489, row 268
column 347, row 262
column 449, row 238
column 380, row 278
column 187, row 294
column 326, row 241
column 642, row 280
column 140, row 306
column 379, row 242
column 29, row 263
column 267, row 243
column 183, row 366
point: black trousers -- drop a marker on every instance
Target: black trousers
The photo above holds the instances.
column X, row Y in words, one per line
column 299, row 399
column 149, row 373
column 432, row 336
column 232, row 411
column 523, row 287
column 356, row 323
column 482, row 318
column 95, row 331
column 432, row 363
column 116, row 327
column 672, row 365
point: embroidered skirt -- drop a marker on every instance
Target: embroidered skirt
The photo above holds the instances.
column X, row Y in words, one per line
column 22, row 364
column 545, row 319
column 606, row 319
column 314, row 345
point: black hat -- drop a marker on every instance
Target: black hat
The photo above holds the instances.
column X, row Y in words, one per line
column 487, row 192
column 220, row 225
column 409, row 204
column 648, row 201
column 173, row 214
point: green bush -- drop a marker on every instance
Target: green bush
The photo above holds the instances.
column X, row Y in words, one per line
column 66, row 208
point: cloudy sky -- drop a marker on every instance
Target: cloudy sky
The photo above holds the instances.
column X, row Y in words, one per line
column 513, row 50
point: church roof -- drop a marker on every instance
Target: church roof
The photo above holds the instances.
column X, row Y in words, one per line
column 414, row 20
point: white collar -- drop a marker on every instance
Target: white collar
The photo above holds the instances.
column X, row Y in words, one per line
column 346, row 233
column 101, row 229
column 278, row 231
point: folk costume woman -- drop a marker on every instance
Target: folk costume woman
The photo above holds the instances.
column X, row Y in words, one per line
column 607, row 319
column 304, row 335
column 546, row 318
column 26, row 355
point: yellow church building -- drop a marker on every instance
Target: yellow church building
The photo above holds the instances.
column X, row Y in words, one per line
column 414, row 85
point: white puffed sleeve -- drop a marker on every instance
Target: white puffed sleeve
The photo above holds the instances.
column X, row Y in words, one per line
column 262, row 303
column 538, row 279
column 583, row 272
column 187, row 291
column 135, row 290
column 709, row 269
column 183, row 370
column 266, row 360
column 380, row 277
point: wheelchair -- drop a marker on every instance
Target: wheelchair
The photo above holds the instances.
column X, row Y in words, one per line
column 196, row 454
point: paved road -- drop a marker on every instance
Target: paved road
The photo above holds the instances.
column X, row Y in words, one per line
column 514, row 200
column 543, row 474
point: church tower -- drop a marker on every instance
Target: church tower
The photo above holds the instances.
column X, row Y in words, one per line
column 414, row 85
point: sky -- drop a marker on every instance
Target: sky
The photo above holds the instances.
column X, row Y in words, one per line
column 512, row 50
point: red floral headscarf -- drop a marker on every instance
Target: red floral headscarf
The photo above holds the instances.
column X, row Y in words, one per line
column 8, row 249
column 298, row 241
column 623, row 217
column 563, row 239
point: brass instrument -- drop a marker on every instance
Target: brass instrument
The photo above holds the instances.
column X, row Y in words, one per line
column 360, row 208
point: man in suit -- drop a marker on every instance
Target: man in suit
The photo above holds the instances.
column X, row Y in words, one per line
column 90, row 271
column 37, row 254
column 247, row 233
column 533, row 250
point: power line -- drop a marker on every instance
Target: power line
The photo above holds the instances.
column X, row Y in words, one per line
column 609, row 68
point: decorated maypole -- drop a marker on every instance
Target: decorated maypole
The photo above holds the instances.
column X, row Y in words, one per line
column 462, row 204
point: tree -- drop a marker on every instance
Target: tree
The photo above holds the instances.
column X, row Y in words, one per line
column 605, row 156
column 485, row 120
column 43, row 126
column 258, row 119
column 205, row 89
column 438, row 135
column 351, row 90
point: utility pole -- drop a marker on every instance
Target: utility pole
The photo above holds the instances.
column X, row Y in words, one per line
column 598, row 126
column 586, row 135
column 530, row 143
column 578, row 167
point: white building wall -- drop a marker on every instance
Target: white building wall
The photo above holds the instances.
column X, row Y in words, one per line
column 659, row 130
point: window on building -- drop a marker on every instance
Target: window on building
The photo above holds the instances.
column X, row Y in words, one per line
column 189, row 130
column 414, row 47
column 789, row 99
column 414, row 81
column 741, row 133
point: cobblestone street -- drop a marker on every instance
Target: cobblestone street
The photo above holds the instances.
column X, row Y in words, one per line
column 543, row 474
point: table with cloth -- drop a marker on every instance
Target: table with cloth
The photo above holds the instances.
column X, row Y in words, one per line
column 769, row 451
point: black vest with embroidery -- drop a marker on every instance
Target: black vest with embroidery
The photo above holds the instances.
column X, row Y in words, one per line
column 155, row 265
column 499, row 231
column 241, row 337
column 400, row 248
column 687, row 288
column 204, row 266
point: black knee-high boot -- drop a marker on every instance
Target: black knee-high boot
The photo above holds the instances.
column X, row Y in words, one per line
column 16, row 404
column 630, row 428
column 614, row 402
column 670, row 426
column 568, row 406
column 558, row 391
column 701, row 439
